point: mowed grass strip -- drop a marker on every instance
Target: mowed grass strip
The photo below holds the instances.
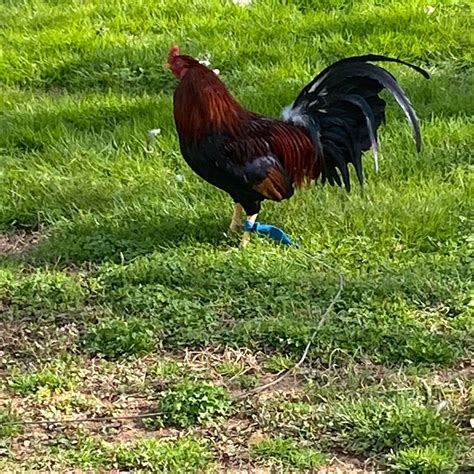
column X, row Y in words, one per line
column 122, row 294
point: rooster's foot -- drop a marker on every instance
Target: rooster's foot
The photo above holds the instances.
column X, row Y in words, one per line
column 236, row 223
column 246, row 236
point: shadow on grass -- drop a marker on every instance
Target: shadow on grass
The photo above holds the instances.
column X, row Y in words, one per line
column 97, row 116
column 36, row 131
column 95, row 242
column 404, row 315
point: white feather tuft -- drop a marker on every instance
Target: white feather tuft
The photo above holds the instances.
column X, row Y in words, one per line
column 290, row 114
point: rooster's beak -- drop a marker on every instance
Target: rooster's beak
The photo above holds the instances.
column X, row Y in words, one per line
column 166, row 66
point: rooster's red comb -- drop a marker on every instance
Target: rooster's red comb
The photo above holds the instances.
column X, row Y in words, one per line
column 174, row 51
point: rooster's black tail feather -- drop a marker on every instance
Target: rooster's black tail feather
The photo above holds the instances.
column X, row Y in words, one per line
column 342, row 110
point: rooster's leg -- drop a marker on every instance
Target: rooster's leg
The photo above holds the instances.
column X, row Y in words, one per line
column 246, row 237
column 236, row 223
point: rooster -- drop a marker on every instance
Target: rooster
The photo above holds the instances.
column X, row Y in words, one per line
column 333, row 120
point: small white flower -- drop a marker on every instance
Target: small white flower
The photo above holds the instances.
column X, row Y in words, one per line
column 242, row 3
column 152, row 134
column 205, row 60
column 179, row 178
column 429, row 9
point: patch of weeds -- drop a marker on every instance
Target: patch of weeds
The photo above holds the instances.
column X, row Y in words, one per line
column 57, row 378
column 247, row 381
column 74, row 402
column 188, row 403
column 424, row 460
column 8, row 431
column 183, row 320
column 286, row 452
column 376, row 425
column 289, row 418
column 114, row 338
column 43, row 291
column 281, row 334
column 152, row 455
column 385, row 332
column 278, row 362
column 229, row 368
column 128, row 297
column 187, row 323
column 84, row 452
column 372, row 426
column 166, row 369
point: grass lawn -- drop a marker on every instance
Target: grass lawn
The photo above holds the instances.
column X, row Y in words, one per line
column 121, row 293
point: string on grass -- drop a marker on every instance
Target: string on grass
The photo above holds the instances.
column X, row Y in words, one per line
column 291, row 370
column 81, row 420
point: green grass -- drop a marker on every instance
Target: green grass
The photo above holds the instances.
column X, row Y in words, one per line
column 380, row 424
column 182, row 455
column 424, row 460
column 144, row 455
column 287, row 453
column 116, row 257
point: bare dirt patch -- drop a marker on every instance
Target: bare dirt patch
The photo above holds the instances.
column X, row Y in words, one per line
column 19, row 242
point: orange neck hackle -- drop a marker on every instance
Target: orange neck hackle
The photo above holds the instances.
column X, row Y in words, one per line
column 202, row 103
